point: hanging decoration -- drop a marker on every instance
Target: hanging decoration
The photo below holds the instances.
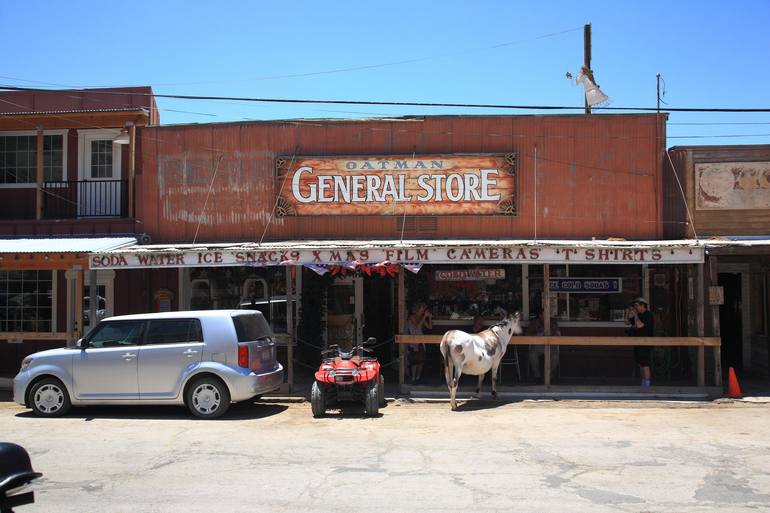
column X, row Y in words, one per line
column 319, row 269
column 415, row 268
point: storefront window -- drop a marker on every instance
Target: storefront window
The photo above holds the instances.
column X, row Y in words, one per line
column 460, row 294
column 26, row 300
column 603, row 291
column 262, row 289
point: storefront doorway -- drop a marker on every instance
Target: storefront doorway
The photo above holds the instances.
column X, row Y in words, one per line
column 731, row 320
column 345, row 312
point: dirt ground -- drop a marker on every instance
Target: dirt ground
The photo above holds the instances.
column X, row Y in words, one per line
column 548, row 456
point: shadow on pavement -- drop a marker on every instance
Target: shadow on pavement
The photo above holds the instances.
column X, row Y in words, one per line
column 482, row 404
column 349, row 410
column 240, row 411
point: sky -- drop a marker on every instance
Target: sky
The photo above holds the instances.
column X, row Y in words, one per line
column 709, row 54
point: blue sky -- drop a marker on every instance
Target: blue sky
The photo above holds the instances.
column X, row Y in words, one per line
column 710, row 54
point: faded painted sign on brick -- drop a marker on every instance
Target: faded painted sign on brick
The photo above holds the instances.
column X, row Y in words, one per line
column 397, row 185
column 732, row 186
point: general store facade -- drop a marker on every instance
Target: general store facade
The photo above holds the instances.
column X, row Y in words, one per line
column 352, row 221
column 335, row 227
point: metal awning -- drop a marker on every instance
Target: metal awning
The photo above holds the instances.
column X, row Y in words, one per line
column 56, row 253
column 356, row 252
column 65, row 244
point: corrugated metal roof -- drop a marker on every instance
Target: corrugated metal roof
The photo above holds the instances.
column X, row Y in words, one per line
column 65, row 245
column 407, row 244
column 76, row 111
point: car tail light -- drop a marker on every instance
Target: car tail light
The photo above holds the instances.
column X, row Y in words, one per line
column 243, row 356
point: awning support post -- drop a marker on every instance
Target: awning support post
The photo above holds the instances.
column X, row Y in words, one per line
column 401, row 313
column 547, row 323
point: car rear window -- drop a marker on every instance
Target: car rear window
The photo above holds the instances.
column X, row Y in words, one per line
column 251, row 326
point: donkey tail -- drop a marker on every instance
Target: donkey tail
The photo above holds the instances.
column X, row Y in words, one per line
column 445, row 348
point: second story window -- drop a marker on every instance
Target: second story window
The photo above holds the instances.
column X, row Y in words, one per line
column 18, row 158
column 101, row 158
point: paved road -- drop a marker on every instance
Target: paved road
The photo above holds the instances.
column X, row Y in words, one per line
column 526, row 456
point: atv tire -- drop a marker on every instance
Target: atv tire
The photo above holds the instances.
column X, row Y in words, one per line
column 318, row 400
column 372, row 400
column 381, row 392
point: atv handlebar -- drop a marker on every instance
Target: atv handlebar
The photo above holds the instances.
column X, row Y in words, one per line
column 334, row 349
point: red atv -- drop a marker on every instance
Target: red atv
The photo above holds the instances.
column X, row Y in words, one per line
column 348, row 376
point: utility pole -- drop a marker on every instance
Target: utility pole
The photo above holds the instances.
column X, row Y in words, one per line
column 587, row 55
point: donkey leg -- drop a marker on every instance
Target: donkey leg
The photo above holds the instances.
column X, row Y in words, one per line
column 455, row 383
column 494, row 379
column 481, row 383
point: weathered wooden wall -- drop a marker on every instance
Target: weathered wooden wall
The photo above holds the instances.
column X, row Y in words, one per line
column 597, row 176
column 745, row 221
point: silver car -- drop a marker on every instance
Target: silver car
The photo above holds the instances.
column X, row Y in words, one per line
column 203, row 359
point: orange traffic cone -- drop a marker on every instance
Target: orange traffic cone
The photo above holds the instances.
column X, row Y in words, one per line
column 733, row 388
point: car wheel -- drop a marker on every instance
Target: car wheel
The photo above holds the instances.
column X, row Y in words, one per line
column 381, row 392
column 208, row 398
column 318, row 400
column 372, row 400
column 49, row 398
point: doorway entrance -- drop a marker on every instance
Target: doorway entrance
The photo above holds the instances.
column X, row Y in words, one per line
column 345, row 312
column 731, row 320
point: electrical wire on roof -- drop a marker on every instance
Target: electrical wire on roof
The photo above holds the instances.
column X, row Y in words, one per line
column 399, row 103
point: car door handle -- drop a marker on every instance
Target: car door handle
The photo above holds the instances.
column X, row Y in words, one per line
column 190, row 353
column 128, row 356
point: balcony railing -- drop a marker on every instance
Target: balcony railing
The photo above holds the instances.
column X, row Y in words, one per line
column 80, row 198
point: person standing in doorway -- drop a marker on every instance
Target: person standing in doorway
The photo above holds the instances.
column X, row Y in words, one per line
column 419, row 320
column 642, row 325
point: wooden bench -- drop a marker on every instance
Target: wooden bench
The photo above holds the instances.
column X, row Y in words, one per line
column 700, row 342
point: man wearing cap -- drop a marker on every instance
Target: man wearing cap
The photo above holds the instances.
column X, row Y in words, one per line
column 642, row 325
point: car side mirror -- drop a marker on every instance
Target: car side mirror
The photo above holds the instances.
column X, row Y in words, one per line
column 81, row 344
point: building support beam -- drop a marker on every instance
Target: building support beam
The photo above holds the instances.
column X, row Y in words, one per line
column 93, row 301
column 40, row 174
column 700, row 319
column 78, row 325
column 290, row 273
column 401, row 315
column 715, row 328
column 131, row 169
column 547, row 322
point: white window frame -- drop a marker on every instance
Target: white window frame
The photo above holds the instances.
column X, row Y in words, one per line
column 54, row 299
column 33, row 185
column 85, row 137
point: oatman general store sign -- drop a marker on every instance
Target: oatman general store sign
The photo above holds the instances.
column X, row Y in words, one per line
column 397, row 185
column 145, row 257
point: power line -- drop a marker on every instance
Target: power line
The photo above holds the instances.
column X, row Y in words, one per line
column 396, row 104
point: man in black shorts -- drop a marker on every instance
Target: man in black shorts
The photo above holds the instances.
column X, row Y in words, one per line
column 642, row 325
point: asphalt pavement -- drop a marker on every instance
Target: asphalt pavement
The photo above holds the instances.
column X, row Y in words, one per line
column 547, row 456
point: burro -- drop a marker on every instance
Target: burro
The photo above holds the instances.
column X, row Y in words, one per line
column 463, row 186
